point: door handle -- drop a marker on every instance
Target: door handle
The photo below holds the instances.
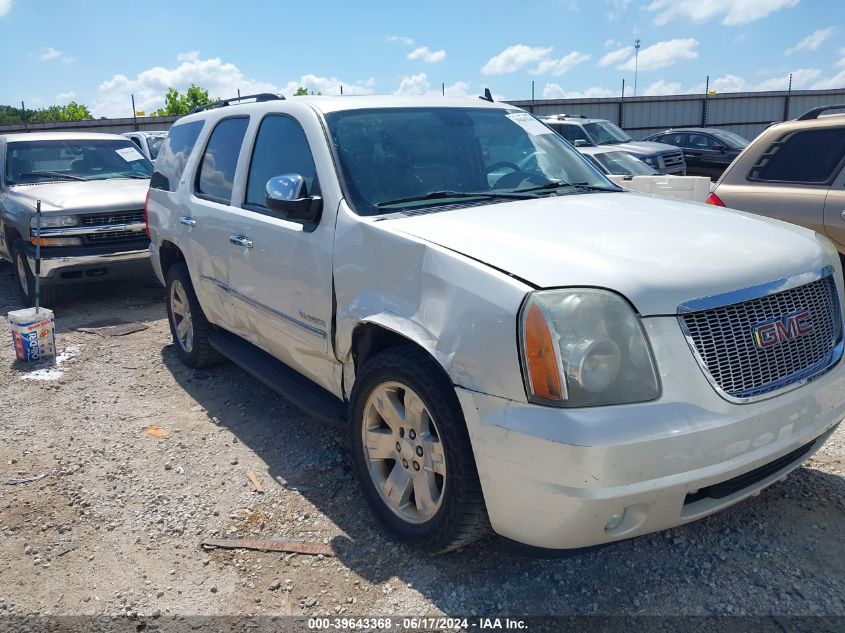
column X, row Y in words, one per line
column 241, row 240
column 187, row 221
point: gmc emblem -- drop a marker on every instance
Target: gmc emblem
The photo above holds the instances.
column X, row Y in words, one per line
column 783, row 329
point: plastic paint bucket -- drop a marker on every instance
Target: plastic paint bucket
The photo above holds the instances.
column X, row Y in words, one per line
column 33, row 334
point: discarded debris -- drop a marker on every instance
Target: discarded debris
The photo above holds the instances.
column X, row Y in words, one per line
column 24, row 480
column 157, row 431
column 271, row 546
column 112, row 327
column 67, row 548
column 256, row 482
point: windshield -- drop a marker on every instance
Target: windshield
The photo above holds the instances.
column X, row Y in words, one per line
column 606, row 133
column 733, row 141
column 392, row 157
column 623, row 164
column 154, row 144
column 29, row 162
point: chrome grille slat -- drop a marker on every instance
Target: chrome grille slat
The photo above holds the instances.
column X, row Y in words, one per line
column 115, row 236
column 723, row 340
column 118, row 217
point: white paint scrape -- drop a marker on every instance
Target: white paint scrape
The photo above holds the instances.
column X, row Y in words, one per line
column 53, row 372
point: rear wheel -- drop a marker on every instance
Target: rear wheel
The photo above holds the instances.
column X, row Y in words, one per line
column 188, row 324
column 26, row 280
column 412, row 454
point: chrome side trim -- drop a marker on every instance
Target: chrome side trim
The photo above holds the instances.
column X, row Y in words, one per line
column 88, row 230
column 754, row 292
column 787, row 383
column 257, row 304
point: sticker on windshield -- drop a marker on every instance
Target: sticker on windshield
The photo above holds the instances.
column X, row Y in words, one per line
column 129, row 154
column 529, row 123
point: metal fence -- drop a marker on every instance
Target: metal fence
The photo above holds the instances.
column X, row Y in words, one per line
column 746, row 113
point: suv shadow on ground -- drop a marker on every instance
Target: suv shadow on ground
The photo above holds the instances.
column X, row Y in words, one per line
column 759, row 557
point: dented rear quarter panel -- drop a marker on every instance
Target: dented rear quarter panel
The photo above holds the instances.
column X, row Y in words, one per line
column 463, row 312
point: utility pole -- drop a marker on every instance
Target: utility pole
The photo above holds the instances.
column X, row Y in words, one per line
column 443, row 89
column 23, row 117
column 636, row 62
column 134, row 113
column 532, row 96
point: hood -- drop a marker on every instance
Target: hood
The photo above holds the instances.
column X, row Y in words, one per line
column 657, row 252
column 645, row 148
column 116, row 194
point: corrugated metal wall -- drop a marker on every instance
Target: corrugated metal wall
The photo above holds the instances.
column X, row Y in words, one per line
column 112, row 126
column 746, row 113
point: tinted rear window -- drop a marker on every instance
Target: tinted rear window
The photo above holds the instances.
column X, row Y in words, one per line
column 173, row 157
column 809, row 156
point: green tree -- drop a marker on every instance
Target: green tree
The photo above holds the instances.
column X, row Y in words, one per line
column 178, row 104
column 302, row 91
column 71, row 112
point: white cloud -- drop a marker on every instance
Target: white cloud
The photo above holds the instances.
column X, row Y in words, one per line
column 5, row 7
column 556, row 91
column 841, row 62
column 615, row 57
column 610, row 43
column 812, row 41
column 50, row 54
column 801, row 78
column 401, row 39
column 663, row 54
column 414, row 85
column 618, row 7
column 429, row 57
column 65, row 97
column 732, row 12
column 836, row 81
column 560, row 66
column 457, row 89
column 728, row 83
column 219, row 78
column 515, row 58
column 190, row 56
column 661, row 87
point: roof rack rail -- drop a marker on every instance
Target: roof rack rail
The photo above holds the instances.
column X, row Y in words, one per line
column 815, row 112
column 222, row 103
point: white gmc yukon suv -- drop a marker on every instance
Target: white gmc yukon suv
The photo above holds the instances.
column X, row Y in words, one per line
column 512, row 341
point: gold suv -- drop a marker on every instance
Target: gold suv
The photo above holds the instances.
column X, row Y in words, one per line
column 793, row 171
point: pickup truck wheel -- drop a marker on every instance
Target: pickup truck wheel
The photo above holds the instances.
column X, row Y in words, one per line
column 188, row 324
column 412, row 454
column 26, row 280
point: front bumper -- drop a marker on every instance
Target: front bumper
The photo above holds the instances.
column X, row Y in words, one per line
column 562, row 479
column 75, row 265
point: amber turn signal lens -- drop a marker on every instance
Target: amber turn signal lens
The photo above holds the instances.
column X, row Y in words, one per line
column 540, row 357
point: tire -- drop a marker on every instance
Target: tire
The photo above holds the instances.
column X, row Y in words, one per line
column 446, row 475
column 191, row 341
column 26, row 280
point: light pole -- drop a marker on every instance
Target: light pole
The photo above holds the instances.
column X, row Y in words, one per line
column 636, row 63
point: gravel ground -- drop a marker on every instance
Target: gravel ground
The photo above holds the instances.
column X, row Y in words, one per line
column 115, row 525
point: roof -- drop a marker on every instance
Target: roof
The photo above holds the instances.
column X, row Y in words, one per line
column 61, row 136
column 569, row 118
column 603, row 149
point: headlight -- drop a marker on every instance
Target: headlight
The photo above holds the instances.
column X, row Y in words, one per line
column 583, row 348
column 650, row 160
column 54, row 221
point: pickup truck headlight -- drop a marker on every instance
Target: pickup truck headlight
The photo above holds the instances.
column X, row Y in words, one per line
column 583, row 347
column 54, row 221
column 650, row 160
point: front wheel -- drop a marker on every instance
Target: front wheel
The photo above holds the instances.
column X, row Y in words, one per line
column 26, row 280
column 412, row 454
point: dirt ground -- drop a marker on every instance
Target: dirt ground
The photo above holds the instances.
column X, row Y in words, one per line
column 115, row 525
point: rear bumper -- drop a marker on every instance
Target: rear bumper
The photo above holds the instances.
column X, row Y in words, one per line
column 81, row 265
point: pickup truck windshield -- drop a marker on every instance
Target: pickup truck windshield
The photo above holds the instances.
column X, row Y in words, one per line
column 606, row 133
column 399, row 158
column 29, row 162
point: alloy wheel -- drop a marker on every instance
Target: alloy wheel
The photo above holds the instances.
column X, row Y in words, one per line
column 181, row 314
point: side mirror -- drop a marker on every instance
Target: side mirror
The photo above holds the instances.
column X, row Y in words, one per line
column 288, row 196
column 721, row 148
column 580, row 142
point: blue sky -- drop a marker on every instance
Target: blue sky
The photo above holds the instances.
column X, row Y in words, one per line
column 99, row 52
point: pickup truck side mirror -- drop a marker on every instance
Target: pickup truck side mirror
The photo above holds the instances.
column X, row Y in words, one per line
column 288, row 196
column 579, row 142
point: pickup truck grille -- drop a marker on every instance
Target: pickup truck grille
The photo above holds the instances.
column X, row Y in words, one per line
column 110, row 237
column 672, row 159
column 724, row 340
column 119, row 217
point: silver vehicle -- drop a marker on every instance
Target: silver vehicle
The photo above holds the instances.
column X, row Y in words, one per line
column 584, row 132
column 508, row 339
column 92, row 189
column 149, row 143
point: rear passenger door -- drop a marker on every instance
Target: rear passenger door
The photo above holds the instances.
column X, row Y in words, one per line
column 206, row 226
column 834, row 211
column 282, row 278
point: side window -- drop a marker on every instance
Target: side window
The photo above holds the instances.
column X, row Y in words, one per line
column 571, row 133
column 701, row 141
column 174, row 155
column 280, row 148
column 218, row 164
column 809, row 156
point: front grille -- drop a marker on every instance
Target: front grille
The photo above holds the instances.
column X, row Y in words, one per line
column 114, row 236
column 725, row 342
column 119, row 217
column 673, row 159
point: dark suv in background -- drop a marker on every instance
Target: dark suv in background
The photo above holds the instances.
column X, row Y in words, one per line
column 707, row 151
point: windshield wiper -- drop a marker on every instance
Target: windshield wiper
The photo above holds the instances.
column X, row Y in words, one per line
column 52, row 174
column 559, row 184
column 443, row 195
